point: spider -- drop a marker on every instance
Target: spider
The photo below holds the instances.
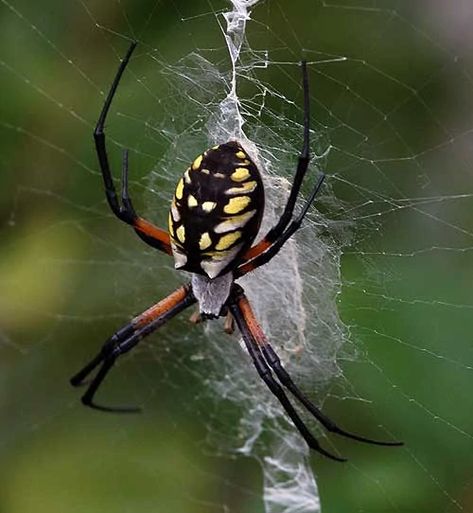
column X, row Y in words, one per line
column 214, row 219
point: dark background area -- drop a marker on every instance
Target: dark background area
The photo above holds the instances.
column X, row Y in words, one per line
column 398, row 114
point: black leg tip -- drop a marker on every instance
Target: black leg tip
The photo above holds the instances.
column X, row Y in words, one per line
column 381, row 443
column 317, row 448
column 395, row 444
column 330, row 455
column 76, row 381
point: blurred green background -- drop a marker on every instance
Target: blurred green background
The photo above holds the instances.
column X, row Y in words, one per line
column 392, row 87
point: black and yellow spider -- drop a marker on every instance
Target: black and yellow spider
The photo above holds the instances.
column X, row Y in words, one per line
column 214, row 218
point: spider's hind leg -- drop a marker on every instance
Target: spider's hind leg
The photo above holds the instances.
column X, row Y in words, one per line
column 121, row 335
column 266, row 358
column 247, row 327
column 275, row 363
column 126, row 339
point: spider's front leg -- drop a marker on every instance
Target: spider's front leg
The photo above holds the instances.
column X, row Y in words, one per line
column 126, row 339
column 302, row 166
column 286, row 226
column 151, row 234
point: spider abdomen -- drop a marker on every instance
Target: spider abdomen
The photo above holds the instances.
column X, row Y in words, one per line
column 216, row 210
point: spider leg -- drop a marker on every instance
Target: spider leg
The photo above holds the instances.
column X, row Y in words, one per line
column 109, row 360
column 275, row 363
column 229, row 324
column 266, row 375
column 127, row 338
column 269, row 252
column 303, row 163
column 116, row 339
column 152, row 235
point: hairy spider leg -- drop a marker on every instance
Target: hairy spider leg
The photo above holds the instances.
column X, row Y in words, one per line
column 275, row 363
column 303, row 163
column 152, row 235
column 127, row 338
column 247, row 326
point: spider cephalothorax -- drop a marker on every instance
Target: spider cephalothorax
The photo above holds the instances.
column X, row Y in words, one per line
column 213, row 221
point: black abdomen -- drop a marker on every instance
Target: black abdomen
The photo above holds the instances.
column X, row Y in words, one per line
column 216, row 210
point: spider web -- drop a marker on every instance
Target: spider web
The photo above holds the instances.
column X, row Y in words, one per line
column 369, row 306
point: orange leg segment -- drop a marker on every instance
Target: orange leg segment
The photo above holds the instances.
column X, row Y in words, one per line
column 153, row 235
column 161, row 308
column 257, row 249
column 267, row 361
column 127, row 338
column 256, row 342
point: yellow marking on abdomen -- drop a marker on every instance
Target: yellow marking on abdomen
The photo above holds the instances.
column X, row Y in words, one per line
column 197, row 162
column 208, row 206
column 240, row 174
column 187, row 176
column 227, row 240
column 241, row 154
column 205, row 241
column 246, row 187
column 181, row 233
column 236, row 204
column 191, row 201
column 170, row 225
column 179, row 189
column 232, row 223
